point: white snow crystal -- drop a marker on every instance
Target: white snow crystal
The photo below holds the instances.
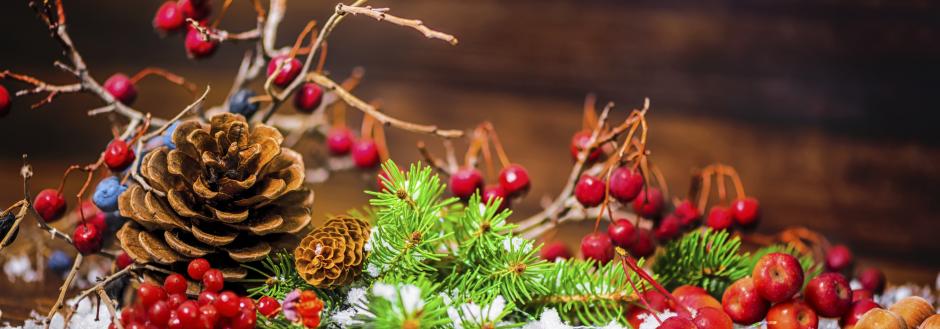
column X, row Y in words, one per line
column 411, row 298
column 19, row 267
column 828, row 323
column 368, row 246
column 649, row 321
column 516, row 243
column 548, row 320
column 473, row 313
column 373, row 270
column 84, row 317
column 384, row 290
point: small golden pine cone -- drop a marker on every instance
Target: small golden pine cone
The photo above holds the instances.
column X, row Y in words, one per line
column 332, row 255
column 228, row 189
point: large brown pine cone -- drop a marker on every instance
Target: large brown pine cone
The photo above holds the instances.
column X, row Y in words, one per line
column 227, row 190
column 331, row 255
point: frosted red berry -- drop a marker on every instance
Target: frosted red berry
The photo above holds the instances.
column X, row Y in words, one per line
column 197, row 268
column 197, row 46
column 50, row 204
column 169, row 17
column 227, row 304
column 649, row 203
column 581, row 140
column 719, row 218
column 465, row 182
column 87, row 238
column 289, row 69
column 123, row 260
column 213, row 280
column 365, row 154
column 121, row 88
column 339, row 141
column 554, row 250
column 174, row 284
column 625, row 184
column 5, row 102
column 589, row 191
column 514, row 179
column 117, row 156
column 622, row 233
column 687, row 213
column 746, row 211
column 597, row 246
column 148, row 294
column 268, row 306
column 308, row 97
column 668, row 228
column 492, row 192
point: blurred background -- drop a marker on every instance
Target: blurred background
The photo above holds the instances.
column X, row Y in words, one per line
column 828, row 109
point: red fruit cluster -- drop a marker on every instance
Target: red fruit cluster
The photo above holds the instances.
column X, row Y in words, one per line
column 171, row 17
column 118, row 156
column 50, row 205
column 688, row 300
column 744, row 212
column 513, row 183
column 777, row 279
column 167, row 306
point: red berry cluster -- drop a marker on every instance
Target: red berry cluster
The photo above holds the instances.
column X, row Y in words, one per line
column 169, row 307
column 772, row 291
column 171, row 17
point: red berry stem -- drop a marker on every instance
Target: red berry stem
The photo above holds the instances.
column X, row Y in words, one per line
column 636, row 290
column 589, row 122
column 628, row 260
column 172, row 78
column 500, row 152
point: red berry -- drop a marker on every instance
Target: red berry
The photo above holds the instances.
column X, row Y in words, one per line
column 208, row 316
column 687, row 213
column 4, row 101
column 649, row 203
column 188, row 313
column 198, row 47
column 644, row 246
column 579, row 141
column 552, row 251
column 514, row 179
column 622, row 232
column 339, row 141
column 465, row 182
column 118, row 156
column 207, row 297
column 668, row 228
column 213, row 280
column 838, row 258
column 197, row 267
column 590, row 191
column 129, row 314
column 492, row 192
column 829, row 294
column 308, row 98
column 121, row 88
column 365, row 154
column 169, row 17
column 859, row 294
column 149, row 293
column 719, row 218
column 625, row 184
column 159, row 313
column 872, row 280
column 268, row 306
column 746, row 211
column 123, row 260
column 246, row 304
column 289, row 69
column 245, row 320
column 99, row 221
column 50, row 204
column 87, row 238
column 175, row 284
column 174, row 300
column 597, row 246
column 227, row 304
column 858, row 309
column 195, row 9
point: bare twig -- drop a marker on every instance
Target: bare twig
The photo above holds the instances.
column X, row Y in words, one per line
column 62, row 290
column 381, row 14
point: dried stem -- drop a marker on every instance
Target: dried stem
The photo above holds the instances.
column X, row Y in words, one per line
column 62, row 290
column 381, row 14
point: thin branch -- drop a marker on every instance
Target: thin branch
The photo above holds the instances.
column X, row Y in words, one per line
column 62, row 290
column 381, row 14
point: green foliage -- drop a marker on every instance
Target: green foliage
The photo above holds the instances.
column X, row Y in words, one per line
column 405, row 241
column 811, row 268
column 586, row 294
column 280, row 277
column 704, row 258
column 409, row 303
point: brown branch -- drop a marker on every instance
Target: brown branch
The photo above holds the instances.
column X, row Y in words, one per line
column 381, row 14
column 433, row 161
column 27, row 172
column 379, row 116
column 8, row 237
column 212, row 33
column 40, row 86
column 63, row 289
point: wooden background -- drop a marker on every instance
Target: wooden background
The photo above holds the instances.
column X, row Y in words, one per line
column 827, row 108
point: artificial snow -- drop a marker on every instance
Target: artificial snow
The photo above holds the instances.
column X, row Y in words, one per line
column 87, row 316
column 476, row 314
column 20, row 267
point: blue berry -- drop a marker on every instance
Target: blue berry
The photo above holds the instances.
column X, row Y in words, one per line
column 59, row 262
column 114, row 221
column 168, row 135
column 240, row 104
column 6, row 223
column 107, row 193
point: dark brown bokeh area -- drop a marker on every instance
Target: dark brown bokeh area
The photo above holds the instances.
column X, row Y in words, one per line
column 827, row 108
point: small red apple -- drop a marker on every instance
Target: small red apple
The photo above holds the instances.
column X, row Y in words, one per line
column 872, row 280
column 792, row 314
column 695, row 298
column 742, row 302
column 778, row 276
column 855, row 312
column 829, row 294
column 838, row 258
column 713, row 318
column 859, row 294
column 552, row 251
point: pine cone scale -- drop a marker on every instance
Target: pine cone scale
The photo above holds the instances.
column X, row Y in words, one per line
column 191, row 249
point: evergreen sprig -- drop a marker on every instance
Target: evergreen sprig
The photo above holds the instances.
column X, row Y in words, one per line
column 811, row 268
column 407, row 213
column 412, row 302
column 704, row 258
column 587, row 294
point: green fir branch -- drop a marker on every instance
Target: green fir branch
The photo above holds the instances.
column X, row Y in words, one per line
column 404, row 303
column 589, row 295
column 704, row 258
